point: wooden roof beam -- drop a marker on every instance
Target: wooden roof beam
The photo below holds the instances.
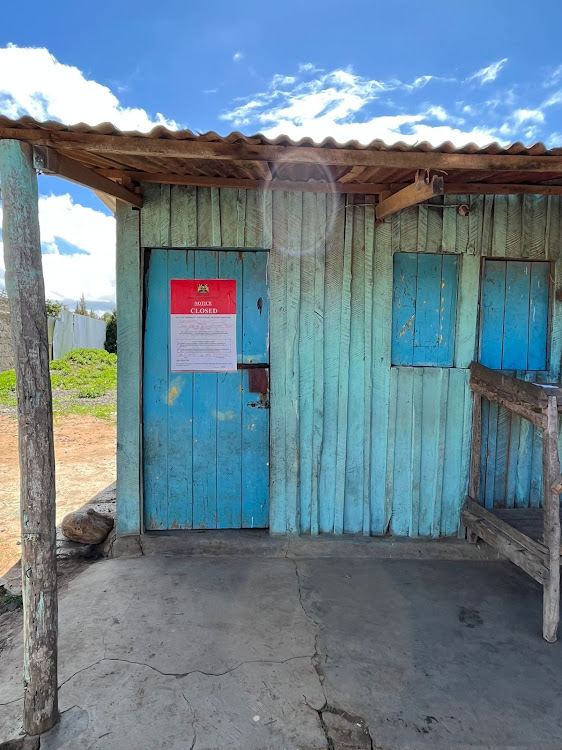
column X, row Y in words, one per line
column 422, row 189
column 361, row 188
column 51, row 162
column 199, row 149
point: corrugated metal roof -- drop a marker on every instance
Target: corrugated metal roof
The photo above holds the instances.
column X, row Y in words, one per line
column 256, row 161
column 107, row 128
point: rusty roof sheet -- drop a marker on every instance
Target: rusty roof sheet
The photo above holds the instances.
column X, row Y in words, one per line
column 160, row 132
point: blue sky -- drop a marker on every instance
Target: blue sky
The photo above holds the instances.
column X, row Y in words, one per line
column 403, row 70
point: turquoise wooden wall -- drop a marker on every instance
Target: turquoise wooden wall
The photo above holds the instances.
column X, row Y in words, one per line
column 358, row 446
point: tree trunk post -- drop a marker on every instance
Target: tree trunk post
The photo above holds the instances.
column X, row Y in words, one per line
column 26, row 293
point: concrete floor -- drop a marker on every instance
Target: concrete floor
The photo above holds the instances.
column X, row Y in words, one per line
column 276, row 654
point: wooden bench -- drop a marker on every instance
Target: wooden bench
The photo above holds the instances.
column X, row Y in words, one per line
column 529, row 537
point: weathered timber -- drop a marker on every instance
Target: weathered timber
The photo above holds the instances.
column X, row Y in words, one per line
column 518, row 537
column 418, row 191
column 197, row 149
column 520, row 555
column 24, row 283
column 551, row 521
column 474, row 479
column 383, row 189
column 164, row 178
column 519, row 390
column 86, row 526
column 51, row 162
column 498, row 397
column 556, row 486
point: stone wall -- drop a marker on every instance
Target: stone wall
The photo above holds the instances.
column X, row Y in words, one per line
column 6, row 352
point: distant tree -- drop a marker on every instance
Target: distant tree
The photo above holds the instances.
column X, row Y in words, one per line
column 54, row 308
column 111, row 332
column 93, row 314
column 81, row 308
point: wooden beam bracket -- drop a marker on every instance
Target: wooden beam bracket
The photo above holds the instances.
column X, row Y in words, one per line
column 49, row 161
column 424, row 187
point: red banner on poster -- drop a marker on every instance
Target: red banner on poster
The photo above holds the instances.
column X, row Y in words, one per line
column 203, row 296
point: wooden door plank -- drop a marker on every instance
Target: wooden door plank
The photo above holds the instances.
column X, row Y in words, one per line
column 428, row 305
column 447, row 310
column 343, row 372
column 292, row 287
column 278, row 493
column 439, row 468
column 255, row 309
column 536, row 490
column 467, row 311
column 523, row 473
column 382, row 302
column 230, row 399
column 183, row 216
column 204, row 419
column 512, row 457
column 404, row 308
column 516, row 320
column 505, row 417
column 453, row 478
column 306, row 359
column 180, row 420
column 417, row 423
column 485, row 421
column 255, row 461
column 491, row 455
column 335, row 208
column 432, row 443
column 318, row 334
column 368, row 381
column 255, row 421
column 401, row 520
column 538, row 315
column 492, row 312
column 354, row 475
column 155, row 390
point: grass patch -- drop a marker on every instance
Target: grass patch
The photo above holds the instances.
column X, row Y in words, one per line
column 9, row 602
column 83, row 382
column 8, row 388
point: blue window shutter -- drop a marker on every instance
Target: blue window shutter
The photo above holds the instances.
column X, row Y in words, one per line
column 424, row 309
column 514, row 314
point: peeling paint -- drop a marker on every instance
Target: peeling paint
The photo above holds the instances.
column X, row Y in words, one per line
column 223, row 416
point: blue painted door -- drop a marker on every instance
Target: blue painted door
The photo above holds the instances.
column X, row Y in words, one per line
column 206, row 435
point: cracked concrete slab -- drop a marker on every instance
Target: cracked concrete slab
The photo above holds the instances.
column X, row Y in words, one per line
column 342, row 654
column 259, row 705
column 436, row 655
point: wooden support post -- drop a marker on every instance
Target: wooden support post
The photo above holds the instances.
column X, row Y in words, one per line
column 25, row 287
column 551, row 521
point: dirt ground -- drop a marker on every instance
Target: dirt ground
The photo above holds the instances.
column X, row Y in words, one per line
column 85, row 464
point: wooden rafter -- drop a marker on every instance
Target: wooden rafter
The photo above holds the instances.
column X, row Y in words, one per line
column 422, row 189
column 369, row 188
column 198, row 149
column 51, row 162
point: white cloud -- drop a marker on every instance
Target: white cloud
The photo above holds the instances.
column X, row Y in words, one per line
column 528, row 115
column 88, row 267
column 340, row 104
column 438, row 112
column 33, row 82
column 489, row 73
column 238, row 56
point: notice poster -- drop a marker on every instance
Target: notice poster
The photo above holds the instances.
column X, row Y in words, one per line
column 203, row 325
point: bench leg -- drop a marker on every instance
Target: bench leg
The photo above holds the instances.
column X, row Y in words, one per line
column 551, row 604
